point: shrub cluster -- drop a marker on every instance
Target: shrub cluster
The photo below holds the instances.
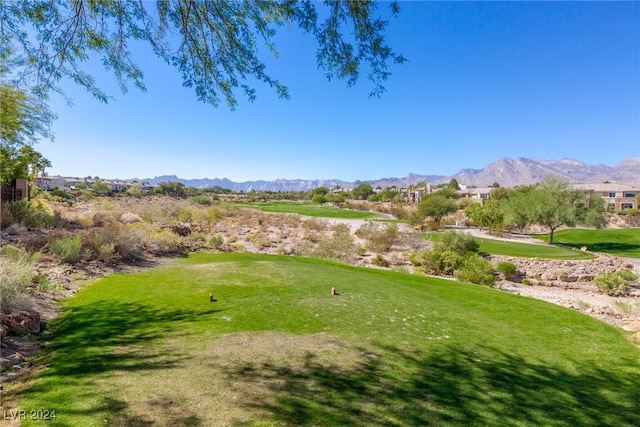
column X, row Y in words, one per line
column 456, row 254
column 32, row 214
column 338, row 248
column 615, row 284
column 380, row 238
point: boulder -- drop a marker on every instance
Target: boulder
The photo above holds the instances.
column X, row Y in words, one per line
column 18, row 321
column 182, row 229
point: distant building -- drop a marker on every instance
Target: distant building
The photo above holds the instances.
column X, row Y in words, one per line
column 480, row 195
column 620, row 196
column 418, row 193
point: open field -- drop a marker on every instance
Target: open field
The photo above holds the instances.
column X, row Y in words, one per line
column 620, row 242
column 277, row 348
column 524, row 250
column 308, row 209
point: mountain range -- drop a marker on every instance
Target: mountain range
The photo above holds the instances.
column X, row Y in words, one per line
column 507, row 172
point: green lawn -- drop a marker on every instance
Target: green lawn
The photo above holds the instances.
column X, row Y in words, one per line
column 621, row 242
column 277, row 349
column 308, row 209
column 524, row 250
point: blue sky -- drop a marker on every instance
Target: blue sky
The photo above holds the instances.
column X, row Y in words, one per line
column 483, row 81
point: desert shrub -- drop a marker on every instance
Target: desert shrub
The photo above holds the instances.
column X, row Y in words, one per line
column 459, row 243
column 506, row 269
column 442, row 260
column 213, row 214
column 135, row 190
column 475, row 269
column 128, row 239
column 400, row 212
column 19, row 255
column 104, row 218
column 380, row 261
column 338, row 248
column 340, row 229
column 32, row 214
column 419, row 258
column 315, row 225
column 163, row 241
column 185, row 215
column 615, row 284
column 160, row 209
column 15, row 275
column 102, row 242
column 446, row 255
column 67, row 248
column 216, row 241
column 415, row 241
column 379, row 237
column 259, row 240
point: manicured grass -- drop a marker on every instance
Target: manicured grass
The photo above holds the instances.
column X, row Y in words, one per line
column 524, row 250
column 277, row 348
column 621, row 242
column 309, row 209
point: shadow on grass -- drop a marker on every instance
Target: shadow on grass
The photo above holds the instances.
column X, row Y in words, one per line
column 620, row 249
column 109, row 338
column 396, row 387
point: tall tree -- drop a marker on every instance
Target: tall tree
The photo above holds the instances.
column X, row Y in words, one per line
column 213, row 43
column 435, row 206
column 552, row 203
column 362, row 191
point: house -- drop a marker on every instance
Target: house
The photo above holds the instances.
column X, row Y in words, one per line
column 417, row 193
column 480, row 195
column 619, row 196
column 50, row 182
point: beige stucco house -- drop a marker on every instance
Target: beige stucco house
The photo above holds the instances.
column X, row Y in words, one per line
column 620, row 196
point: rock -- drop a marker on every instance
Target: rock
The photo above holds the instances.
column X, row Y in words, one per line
column 18, row 321
column 633, row 327
column 183, row 229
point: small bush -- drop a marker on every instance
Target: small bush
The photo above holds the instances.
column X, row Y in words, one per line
column 59, row 194
column 615, row 284
column 216, row 241
column 442, row 261
column 380, row 261
column 162, row 242
column 459, row 243
column 419, row 258
column 477, row 270
column 626, row 308
column 506, row 269
column 202, row 200
column 338, row 248
column 379, row 238
column 67, row 248
column 341, row 229
column 315, row 225
column 32, row 214
column 16, row 272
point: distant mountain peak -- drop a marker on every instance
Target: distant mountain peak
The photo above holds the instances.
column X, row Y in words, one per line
column 508, row 172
